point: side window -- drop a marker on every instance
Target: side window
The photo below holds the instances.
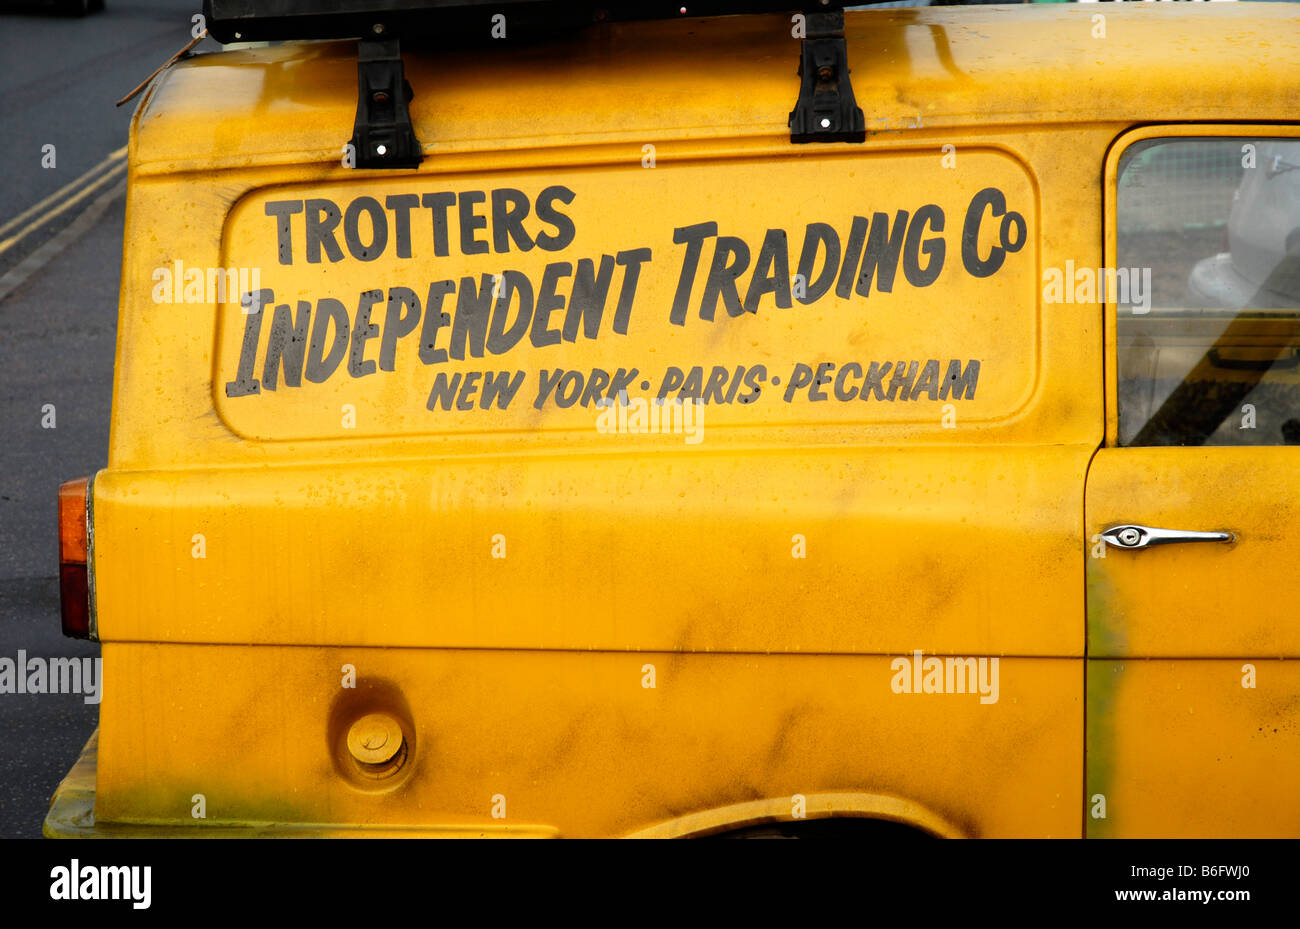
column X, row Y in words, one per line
column 1207, row 285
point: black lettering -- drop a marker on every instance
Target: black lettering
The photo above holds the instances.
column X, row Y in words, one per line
column 1013, row 220
column 439, row 205
column 587, row 302
column 852, row 369
column 933, row 249
column 816, row 235
column 244, row 383
column 903, row 377
column 622, row 381
column 434, row 319
column 322, row 218
column 282, row 210
column 401, row 205
column 596, row 384
column 693, row 238
column 874, row 383
column 928, row 382
column 754, row 377
column 500, row 388
column 801, row 376
column 674, row 377
column 989, row 197
column 884, row 247
column 852, row 256
column 464, row 400
column 694, row 385
column 771, row 272
column 473, row 307
column 962, row 384
column 722, row 277
column 363, row 330
column 500, row 339
column 632, row 259
column 378, row 229
column 509, row 210
column 822, row 378
column 400, row 320
column 319, row 365
column 569, row 389
column 548, row 301
column 471, row 222
column 717, row 380
column 443, row 392
column 546, row 382
column 287, row 342
column 547, row 213
column 735, row 383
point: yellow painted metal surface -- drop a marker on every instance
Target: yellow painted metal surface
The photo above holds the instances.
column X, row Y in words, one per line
column 574, row 740
column 1181, row 748
column 817, row 806
column 628, row 84
column 586, row 632
column 661, row 551
column 72, row 815
column 1196, row 601
column 1206, row 745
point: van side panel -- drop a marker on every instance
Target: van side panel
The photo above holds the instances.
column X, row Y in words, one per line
column 575, row 740
column 608, row 629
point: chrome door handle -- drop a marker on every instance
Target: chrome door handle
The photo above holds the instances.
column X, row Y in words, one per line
column 1134, row 536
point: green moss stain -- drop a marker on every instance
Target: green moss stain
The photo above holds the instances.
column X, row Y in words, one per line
column 1103, row 679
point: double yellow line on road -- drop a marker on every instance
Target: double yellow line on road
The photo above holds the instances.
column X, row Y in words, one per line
column 63, row 199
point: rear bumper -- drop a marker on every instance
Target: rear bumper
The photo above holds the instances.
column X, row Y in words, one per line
column 72, row 816
column 72, row 809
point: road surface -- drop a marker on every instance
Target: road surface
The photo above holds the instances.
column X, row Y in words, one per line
column 60, row 256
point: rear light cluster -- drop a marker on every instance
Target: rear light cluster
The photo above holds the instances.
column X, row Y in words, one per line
column 74, row 574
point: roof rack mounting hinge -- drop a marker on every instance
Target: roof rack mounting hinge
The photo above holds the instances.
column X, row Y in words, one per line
column 383, row 136
column 826, row 110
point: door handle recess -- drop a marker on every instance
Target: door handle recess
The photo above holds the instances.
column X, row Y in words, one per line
column 1133, row 536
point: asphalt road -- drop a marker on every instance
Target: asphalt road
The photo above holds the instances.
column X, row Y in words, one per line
column 59, row 275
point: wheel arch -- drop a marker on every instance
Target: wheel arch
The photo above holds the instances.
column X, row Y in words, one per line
column 838, row 804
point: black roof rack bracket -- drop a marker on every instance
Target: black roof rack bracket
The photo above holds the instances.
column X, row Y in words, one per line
column 826, row 110
column 383, row 136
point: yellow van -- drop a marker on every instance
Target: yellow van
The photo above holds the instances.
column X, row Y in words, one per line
column 706, row 427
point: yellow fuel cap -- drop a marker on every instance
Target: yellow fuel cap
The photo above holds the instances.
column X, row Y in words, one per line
column 375, row 738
